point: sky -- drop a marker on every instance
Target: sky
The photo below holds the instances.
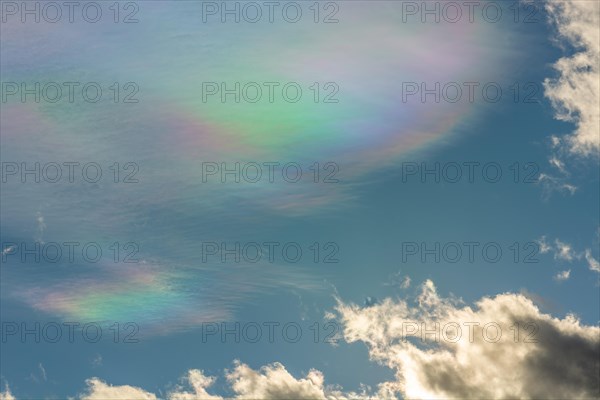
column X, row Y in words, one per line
column 311, row 199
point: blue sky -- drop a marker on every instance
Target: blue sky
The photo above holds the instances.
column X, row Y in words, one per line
column 171, row 291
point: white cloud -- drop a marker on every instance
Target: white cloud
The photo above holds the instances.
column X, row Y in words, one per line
column 557, row 163
column 199, row 383
column 562, row 276
column 405, row 283
column 575, row 93
column 43, row 371
column 564, row 251
column 7, row 395
column 503, row 347
column 592, row 262
column 275, row 382
column 272, row 381
column 560, row 360
column 544, row 246
column 98, row 390
column 7, row 250
column 552, row 184
column 557, row 180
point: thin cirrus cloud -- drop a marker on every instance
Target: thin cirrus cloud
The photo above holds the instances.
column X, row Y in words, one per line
column 156, row 296
column 174, row 133
column 171, row 131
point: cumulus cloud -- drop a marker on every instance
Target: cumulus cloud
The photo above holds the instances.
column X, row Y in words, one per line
column 272, row 381
column 98, row 390
column 275, row 382
column 6, row 395
column 199, row 383
column 440, row 348
column 575, row 93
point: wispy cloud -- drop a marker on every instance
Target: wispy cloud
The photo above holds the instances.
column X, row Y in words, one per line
column 562, row 276
column 563, row 251
column 592, row 262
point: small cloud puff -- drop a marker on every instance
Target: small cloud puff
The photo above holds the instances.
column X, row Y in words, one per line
column 562, row 276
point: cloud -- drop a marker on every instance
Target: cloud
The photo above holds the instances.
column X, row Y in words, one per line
column 562, row 276
column 272, row 381
column 564, row 251
column 551, row 184
column 41, row 227
column 558, row 164
column 561, row 250
column 199, row 383
column 369, row 301
column 7, row 250
column 42, row 377
column 275, row 382
column 43, row 371
column 7, row 395
column 437, row 350
column 97, row 361
column 575, row 93
column 98, row 390
column 503, row 347
column 592, row 262
column 403, row 281
column 544, row 246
